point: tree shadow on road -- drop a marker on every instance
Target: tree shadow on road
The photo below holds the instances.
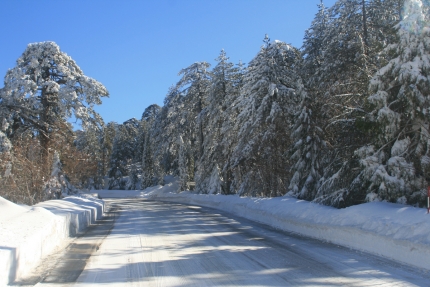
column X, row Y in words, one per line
column 167, row 244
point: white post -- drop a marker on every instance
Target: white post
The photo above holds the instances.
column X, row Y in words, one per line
column 428, row 200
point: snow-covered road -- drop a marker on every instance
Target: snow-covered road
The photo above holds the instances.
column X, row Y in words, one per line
column 168, row 244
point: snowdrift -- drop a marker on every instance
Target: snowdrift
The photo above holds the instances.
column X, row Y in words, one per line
column 28, row 234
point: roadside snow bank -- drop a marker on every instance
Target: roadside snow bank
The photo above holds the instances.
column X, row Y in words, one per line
column 28, row 234
column 391, row 230
column 396, row 231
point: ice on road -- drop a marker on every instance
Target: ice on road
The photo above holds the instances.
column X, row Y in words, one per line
column 168, row 244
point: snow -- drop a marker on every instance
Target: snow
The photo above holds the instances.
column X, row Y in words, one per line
column 29, row 234
column 396, row 231
column 5, row 144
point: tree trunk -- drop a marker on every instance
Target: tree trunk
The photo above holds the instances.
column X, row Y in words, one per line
column 48, row 118
column 365, row 33
column 45, row 140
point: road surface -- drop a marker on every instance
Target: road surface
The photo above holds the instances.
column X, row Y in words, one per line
column 147, row 243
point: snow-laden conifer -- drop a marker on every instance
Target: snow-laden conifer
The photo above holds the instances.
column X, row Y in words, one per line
column 353, row 39
column 396, row 165
column 91, row 141
column 148, row 168
column 267, row 100
column 5, row 144
column 125, row 155
column 223, row 88
column 307, row 149
column 313, row 45
column 57, row 185
column 46, row 87
column 194, row 85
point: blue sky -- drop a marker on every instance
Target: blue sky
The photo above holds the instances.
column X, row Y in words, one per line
column 137, row 47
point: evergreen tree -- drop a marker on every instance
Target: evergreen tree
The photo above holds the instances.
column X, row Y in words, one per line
column 396, row 165
column 148, row 168
column 313, row 45
column 267, row 100
column 57, row 185
column 351, row 54
column 230, row 130
column 308, row 149
column 125, row 155
column 45, row 88
column 164, row 132
column 194, row 84
column 90, row 142
column 223, row 87
column 107, row 140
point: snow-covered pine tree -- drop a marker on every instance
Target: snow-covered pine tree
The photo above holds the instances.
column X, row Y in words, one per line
column 313, row 44
column 57, row 185
column 97, row 142
column 347, row 63
column 194, row 84
column 148, row 168
column 222, row 88
column 350, row 56
column 164, row 134
column 183, row 105
column 308, row 148
column 90, row 142
column 396, row 166
column 108, row 137
column 259, row 160
column 125, row 154
column 5, row 143
column 47, row 87
column 230, row 129
column 5, row 161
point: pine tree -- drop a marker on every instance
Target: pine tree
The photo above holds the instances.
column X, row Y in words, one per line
column 194, row 85
column 230, row 130
column 308, row 149
column 222, row 88
column 46, row 88
column 396, row 165
column 166, row 129
column 148, row 168
column 57, row 185
column 267, row 100
column 90, row 142
column 353, row 40
column 106, row 142
column 313, row 45
column 125, row 155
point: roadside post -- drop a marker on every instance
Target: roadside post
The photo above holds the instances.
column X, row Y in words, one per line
column 428, row 199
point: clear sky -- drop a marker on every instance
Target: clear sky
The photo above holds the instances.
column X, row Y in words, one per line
column 137, row 47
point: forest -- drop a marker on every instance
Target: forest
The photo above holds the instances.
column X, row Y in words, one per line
column 340, row 121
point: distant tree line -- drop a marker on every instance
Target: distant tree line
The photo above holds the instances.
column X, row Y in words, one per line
column 341, row 121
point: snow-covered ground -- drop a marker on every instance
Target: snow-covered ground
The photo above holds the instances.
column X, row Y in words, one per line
column 396, row 231
column 29, row 234
column 166, row 244
column 399, row 232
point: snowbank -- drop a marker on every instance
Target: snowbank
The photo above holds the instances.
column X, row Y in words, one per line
column 396, row 231
column 28, row 234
